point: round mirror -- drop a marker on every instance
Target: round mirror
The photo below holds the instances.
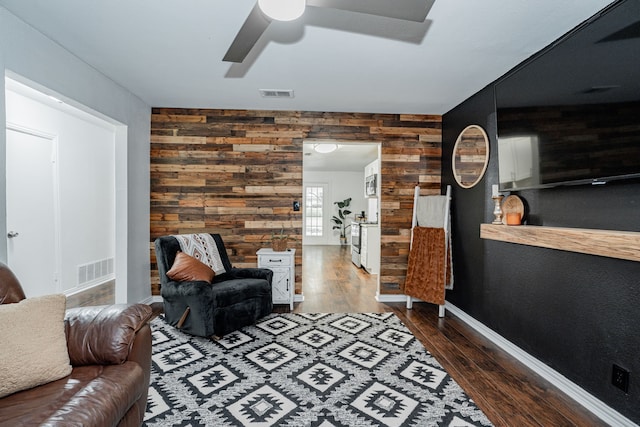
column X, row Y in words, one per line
column 470, row 156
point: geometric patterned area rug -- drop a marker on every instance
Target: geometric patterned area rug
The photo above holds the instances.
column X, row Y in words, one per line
column 303, row 369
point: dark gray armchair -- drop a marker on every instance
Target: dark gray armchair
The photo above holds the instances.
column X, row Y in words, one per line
column 234, row 299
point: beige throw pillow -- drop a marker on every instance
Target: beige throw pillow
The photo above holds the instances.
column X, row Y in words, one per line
column 33, row 349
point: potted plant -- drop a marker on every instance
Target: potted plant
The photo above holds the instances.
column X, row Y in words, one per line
column 340, row 221
column 279, row 241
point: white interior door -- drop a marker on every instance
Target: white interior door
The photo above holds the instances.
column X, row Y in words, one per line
column 32, row 219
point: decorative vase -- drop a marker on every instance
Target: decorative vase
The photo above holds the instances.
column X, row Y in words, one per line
column 279, row 245
column 497, row 210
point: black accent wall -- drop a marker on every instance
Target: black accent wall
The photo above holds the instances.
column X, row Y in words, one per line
column 577, row 313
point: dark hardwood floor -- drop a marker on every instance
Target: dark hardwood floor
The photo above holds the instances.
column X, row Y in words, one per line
column 509, row 393
column 98, row 295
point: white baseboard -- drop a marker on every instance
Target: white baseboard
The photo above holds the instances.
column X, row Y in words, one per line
column 591, row 403
column 298, row 297
column 393, row 298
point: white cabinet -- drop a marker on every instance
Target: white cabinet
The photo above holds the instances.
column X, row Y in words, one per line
column 284, row 273
column 370, row 247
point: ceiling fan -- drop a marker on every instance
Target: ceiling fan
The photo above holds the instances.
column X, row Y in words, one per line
column 263, row 13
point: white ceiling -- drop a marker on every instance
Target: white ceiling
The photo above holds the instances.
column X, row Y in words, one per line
column 347, row 157
column 169, row 52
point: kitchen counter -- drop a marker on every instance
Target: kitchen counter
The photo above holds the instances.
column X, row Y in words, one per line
column 366, row 223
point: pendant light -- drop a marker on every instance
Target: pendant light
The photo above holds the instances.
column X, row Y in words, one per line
column 325, row 148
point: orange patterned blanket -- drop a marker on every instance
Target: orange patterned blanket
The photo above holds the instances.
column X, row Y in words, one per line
column 429, row 268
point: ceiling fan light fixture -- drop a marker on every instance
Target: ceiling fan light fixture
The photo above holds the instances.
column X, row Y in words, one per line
column 282, row 10
column 325, row 148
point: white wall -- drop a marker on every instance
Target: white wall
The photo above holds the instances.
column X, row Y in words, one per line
column 86, row 181
column 341, row 185
column 28, row 56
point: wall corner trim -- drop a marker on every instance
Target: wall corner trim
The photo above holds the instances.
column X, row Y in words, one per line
column 591, row 403
column 151, row 299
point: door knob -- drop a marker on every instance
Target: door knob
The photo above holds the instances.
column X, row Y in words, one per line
column 12, row 234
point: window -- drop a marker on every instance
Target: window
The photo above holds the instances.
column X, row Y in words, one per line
column 313, row 201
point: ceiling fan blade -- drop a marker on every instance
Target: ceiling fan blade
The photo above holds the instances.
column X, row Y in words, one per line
column 249, row 33
column 410, row 10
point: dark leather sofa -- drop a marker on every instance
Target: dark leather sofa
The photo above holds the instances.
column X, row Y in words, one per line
column 110, row 352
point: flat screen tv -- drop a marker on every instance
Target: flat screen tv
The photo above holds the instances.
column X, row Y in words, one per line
column 571, row 114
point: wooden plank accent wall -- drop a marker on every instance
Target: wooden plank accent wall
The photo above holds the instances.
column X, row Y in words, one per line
column 237, row 172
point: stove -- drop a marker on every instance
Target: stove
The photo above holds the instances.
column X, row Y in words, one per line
column 355, row 243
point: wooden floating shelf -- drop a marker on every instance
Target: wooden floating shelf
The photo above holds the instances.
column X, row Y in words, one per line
column 609, row 243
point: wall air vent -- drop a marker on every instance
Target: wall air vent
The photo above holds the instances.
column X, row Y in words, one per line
column 276, row 93
column 96, row 271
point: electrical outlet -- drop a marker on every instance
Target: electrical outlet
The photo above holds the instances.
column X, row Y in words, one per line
column 620, row 378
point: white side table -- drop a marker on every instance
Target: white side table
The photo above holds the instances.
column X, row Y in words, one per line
column 283, row 266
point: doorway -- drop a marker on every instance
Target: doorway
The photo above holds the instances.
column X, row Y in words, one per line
column 60, row 194
column 339, row 170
